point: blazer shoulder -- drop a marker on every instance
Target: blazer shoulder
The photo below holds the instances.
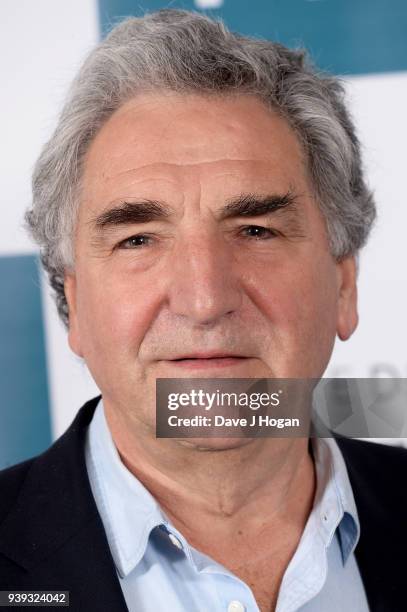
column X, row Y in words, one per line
column 368, row 451
column 377, row 473
column 27, row 474
column 11, row 481
column 379, row 469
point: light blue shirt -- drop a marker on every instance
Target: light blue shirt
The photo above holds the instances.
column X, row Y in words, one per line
column 159, row 571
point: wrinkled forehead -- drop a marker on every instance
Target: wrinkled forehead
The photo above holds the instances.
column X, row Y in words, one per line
column 171, row 141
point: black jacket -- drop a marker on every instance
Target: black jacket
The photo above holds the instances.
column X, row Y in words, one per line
column 52, row 537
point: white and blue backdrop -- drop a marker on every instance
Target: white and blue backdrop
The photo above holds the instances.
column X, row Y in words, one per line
column 42, row 43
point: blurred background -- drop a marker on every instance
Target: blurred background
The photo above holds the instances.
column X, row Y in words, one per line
column 42, row 44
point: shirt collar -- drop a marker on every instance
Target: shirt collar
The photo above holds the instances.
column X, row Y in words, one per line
column 129, row 512
column 334, row 504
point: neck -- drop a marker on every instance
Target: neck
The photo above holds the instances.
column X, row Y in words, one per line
column 246, row 484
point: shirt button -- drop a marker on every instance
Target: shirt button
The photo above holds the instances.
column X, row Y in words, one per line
column 236, row 606
column 176, row 541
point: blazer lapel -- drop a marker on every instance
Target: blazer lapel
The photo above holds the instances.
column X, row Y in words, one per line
column 377, row 473
column 53, row 533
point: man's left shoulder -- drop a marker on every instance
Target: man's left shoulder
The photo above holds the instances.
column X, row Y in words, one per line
column 378, row 469
column 368, row 452
column 377, row 475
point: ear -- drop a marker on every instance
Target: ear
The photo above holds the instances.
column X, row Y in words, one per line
column 73, row 331
column 347, row 317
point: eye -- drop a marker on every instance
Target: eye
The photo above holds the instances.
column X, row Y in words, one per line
column 135, row 242
column 258, row 232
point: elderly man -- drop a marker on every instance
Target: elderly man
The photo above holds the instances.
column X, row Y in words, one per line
column 199, row 209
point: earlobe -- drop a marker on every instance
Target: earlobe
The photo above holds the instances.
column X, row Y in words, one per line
column 347, row 319
column 73, row 331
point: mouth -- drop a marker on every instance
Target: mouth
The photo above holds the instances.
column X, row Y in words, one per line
column 205, row 360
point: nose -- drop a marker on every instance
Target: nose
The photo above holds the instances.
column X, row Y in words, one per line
column 204, row 284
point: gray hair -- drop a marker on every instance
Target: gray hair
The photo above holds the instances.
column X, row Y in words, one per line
column 187, row 52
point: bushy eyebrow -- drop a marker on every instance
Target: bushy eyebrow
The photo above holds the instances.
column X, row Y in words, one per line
column 128, row 213
column 145, row 211
column 252, row 205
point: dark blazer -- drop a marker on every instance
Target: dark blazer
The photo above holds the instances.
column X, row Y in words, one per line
column 52, row 537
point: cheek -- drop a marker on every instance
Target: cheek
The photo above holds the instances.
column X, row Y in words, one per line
column 115, row 315
column 300, row 305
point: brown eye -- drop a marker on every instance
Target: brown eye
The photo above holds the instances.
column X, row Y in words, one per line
column 134, row 242
column 259, row 232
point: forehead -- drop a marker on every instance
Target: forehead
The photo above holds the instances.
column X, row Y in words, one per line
column 169, row 141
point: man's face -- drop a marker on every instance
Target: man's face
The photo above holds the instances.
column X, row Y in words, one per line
column 201, row 252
